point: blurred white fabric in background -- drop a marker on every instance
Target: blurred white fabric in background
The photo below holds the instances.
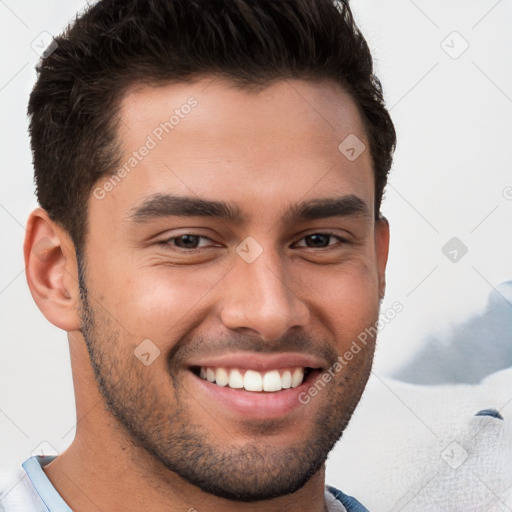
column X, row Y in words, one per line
column 439, row 447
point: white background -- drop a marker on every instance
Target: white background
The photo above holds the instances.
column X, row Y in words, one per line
column 453, row 118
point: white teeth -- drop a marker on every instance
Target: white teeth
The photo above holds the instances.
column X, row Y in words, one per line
column 297, row 377
column 221, row 377
column 236, row 379
column 272, row 381
column 286, row 380
column 251, row 380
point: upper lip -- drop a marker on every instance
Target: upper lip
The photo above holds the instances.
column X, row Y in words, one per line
column 260, row 362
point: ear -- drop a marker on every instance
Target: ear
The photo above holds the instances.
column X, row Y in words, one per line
column 51, row 270
column 382, row 251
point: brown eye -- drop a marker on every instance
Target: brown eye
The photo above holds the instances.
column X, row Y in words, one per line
column 320, row 240
column 186, row 241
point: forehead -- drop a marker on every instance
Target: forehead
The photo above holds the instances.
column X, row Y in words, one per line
column 253, row 149
column 279, row 111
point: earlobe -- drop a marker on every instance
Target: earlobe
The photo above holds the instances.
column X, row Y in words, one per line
column 382, row 251
column 51, row 271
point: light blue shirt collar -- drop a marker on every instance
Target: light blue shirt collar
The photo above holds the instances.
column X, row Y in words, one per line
column 47, row 492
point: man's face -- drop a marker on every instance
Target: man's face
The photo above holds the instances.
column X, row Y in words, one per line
column 203, row 295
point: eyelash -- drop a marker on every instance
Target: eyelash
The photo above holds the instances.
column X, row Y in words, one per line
column 167, row 241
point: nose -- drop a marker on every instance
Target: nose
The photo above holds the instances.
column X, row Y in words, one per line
column 261, row 299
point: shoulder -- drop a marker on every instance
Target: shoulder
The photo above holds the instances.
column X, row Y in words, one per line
column 17, row 494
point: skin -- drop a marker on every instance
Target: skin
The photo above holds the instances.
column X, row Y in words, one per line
column 147, row 438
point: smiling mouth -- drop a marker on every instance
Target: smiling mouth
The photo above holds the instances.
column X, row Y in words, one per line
column 252, row 380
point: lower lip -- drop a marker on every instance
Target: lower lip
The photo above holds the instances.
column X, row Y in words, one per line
column 256, row 404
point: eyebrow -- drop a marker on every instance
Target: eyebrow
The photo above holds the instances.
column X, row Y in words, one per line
column 168, row 205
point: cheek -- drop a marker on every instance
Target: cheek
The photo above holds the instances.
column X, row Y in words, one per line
column 355, row 279
column 156, row 303
column 162, row 303
column 344, row 300
column 359, row 294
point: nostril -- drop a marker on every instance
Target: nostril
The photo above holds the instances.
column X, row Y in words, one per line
column 490, row 412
